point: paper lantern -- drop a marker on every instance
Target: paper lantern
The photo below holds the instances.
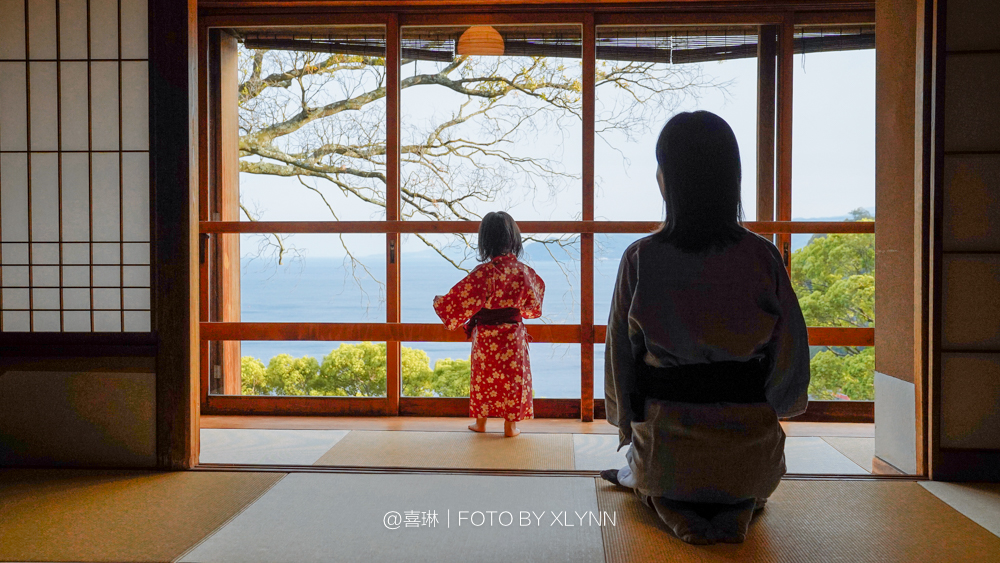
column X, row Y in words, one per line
column 480, row 40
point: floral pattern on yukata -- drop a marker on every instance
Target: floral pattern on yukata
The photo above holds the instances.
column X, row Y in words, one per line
column 501, row 371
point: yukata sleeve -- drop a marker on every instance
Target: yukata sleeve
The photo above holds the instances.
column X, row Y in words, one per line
column 465, row 299
column 534, row 292
column 787, row 383
column 619, row 358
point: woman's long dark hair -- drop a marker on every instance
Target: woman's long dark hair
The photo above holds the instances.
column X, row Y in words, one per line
column 499, row 235
column 699, row 158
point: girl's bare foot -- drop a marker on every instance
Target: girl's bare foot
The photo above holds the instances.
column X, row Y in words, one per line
column 479, row 425
column 510, row 428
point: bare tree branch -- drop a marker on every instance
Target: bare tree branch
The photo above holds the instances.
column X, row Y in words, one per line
column 321, row 116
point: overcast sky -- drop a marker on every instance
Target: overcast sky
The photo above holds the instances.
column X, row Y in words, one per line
column 833, row 153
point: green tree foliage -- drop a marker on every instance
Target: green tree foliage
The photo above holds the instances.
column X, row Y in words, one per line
column 844, row 371
column 834, row 279
column 451, row 378
column 286, row 375
column 355, row 370
column 254, row 376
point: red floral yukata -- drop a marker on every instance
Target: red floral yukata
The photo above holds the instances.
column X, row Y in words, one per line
column 501, row 373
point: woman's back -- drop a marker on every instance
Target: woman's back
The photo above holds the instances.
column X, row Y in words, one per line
column 694, row 308
column 674, row 308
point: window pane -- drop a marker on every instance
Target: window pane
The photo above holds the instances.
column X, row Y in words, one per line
column 14, row 253
column 311, row 278
column 443, row 369
column 45, row 321
column 427, row 273
column 104, row 102
column 15, row 298
column 12, row 31
column 833, row 276
column 44, row 107
column 608, row 251
column 482, row 133
column 842, row 373
column 436, row 369
column 16, row 321
column 599, row 348
column 647, row 74
column 326, row 163
column 78, row 321
column 137, row 321
column 310, row 368
column 555, row 370
column 72, row 35
column 74, row 112
column 42, row 29
column 833, row 129
column 104, row 29
column 14, row 110
column 834, row 279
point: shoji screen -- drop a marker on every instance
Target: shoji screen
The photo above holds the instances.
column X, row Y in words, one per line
column 74, row 166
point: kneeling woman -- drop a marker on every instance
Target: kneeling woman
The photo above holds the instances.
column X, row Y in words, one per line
column 706, row 346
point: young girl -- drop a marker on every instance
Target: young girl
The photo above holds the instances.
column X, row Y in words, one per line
column 490, row 302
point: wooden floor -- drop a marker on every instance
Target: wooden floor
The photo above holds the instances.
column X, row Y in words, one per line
column 451, row 424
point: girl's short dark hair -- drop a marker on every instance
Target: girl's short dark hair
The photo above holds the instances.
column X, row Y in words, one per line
column 499, row 235
column 699, row 158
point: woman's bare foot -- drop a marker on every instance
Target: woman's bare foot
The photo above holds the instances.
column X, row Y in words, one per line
column 479, row 425
column 510, row 428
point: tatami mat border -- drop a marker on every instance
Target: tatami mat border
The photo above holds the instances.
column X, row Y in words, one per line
column 493, row 472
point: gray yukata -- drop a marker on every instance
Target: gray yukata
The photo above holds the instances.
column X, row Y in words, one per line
column 672, row 308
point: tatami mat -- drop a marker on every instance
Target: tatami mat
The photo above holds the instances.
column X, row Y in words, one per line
column 813, row 455
column 66, row 515
column 464, row 450
column 802, row 455
column 597, row 452
column 273, row 447
column 94, row 515
column 468, row 450
column 310, row 517
column 859, row 450
column 807, row 521
column 979, row 501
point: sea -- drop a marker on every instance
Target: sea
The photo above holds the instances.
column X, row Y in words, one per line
column 325, row 289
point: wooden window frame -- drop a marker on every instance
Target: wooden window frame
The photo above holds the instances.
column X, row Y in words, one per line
column 774, row 192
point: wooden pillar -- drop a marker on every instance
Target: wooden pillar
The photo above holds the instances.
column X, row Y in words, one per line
column 786, row 35
column 394, row 350
column 174, row 179
column 767, row 53
column 587, row 239
column 227, row 170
